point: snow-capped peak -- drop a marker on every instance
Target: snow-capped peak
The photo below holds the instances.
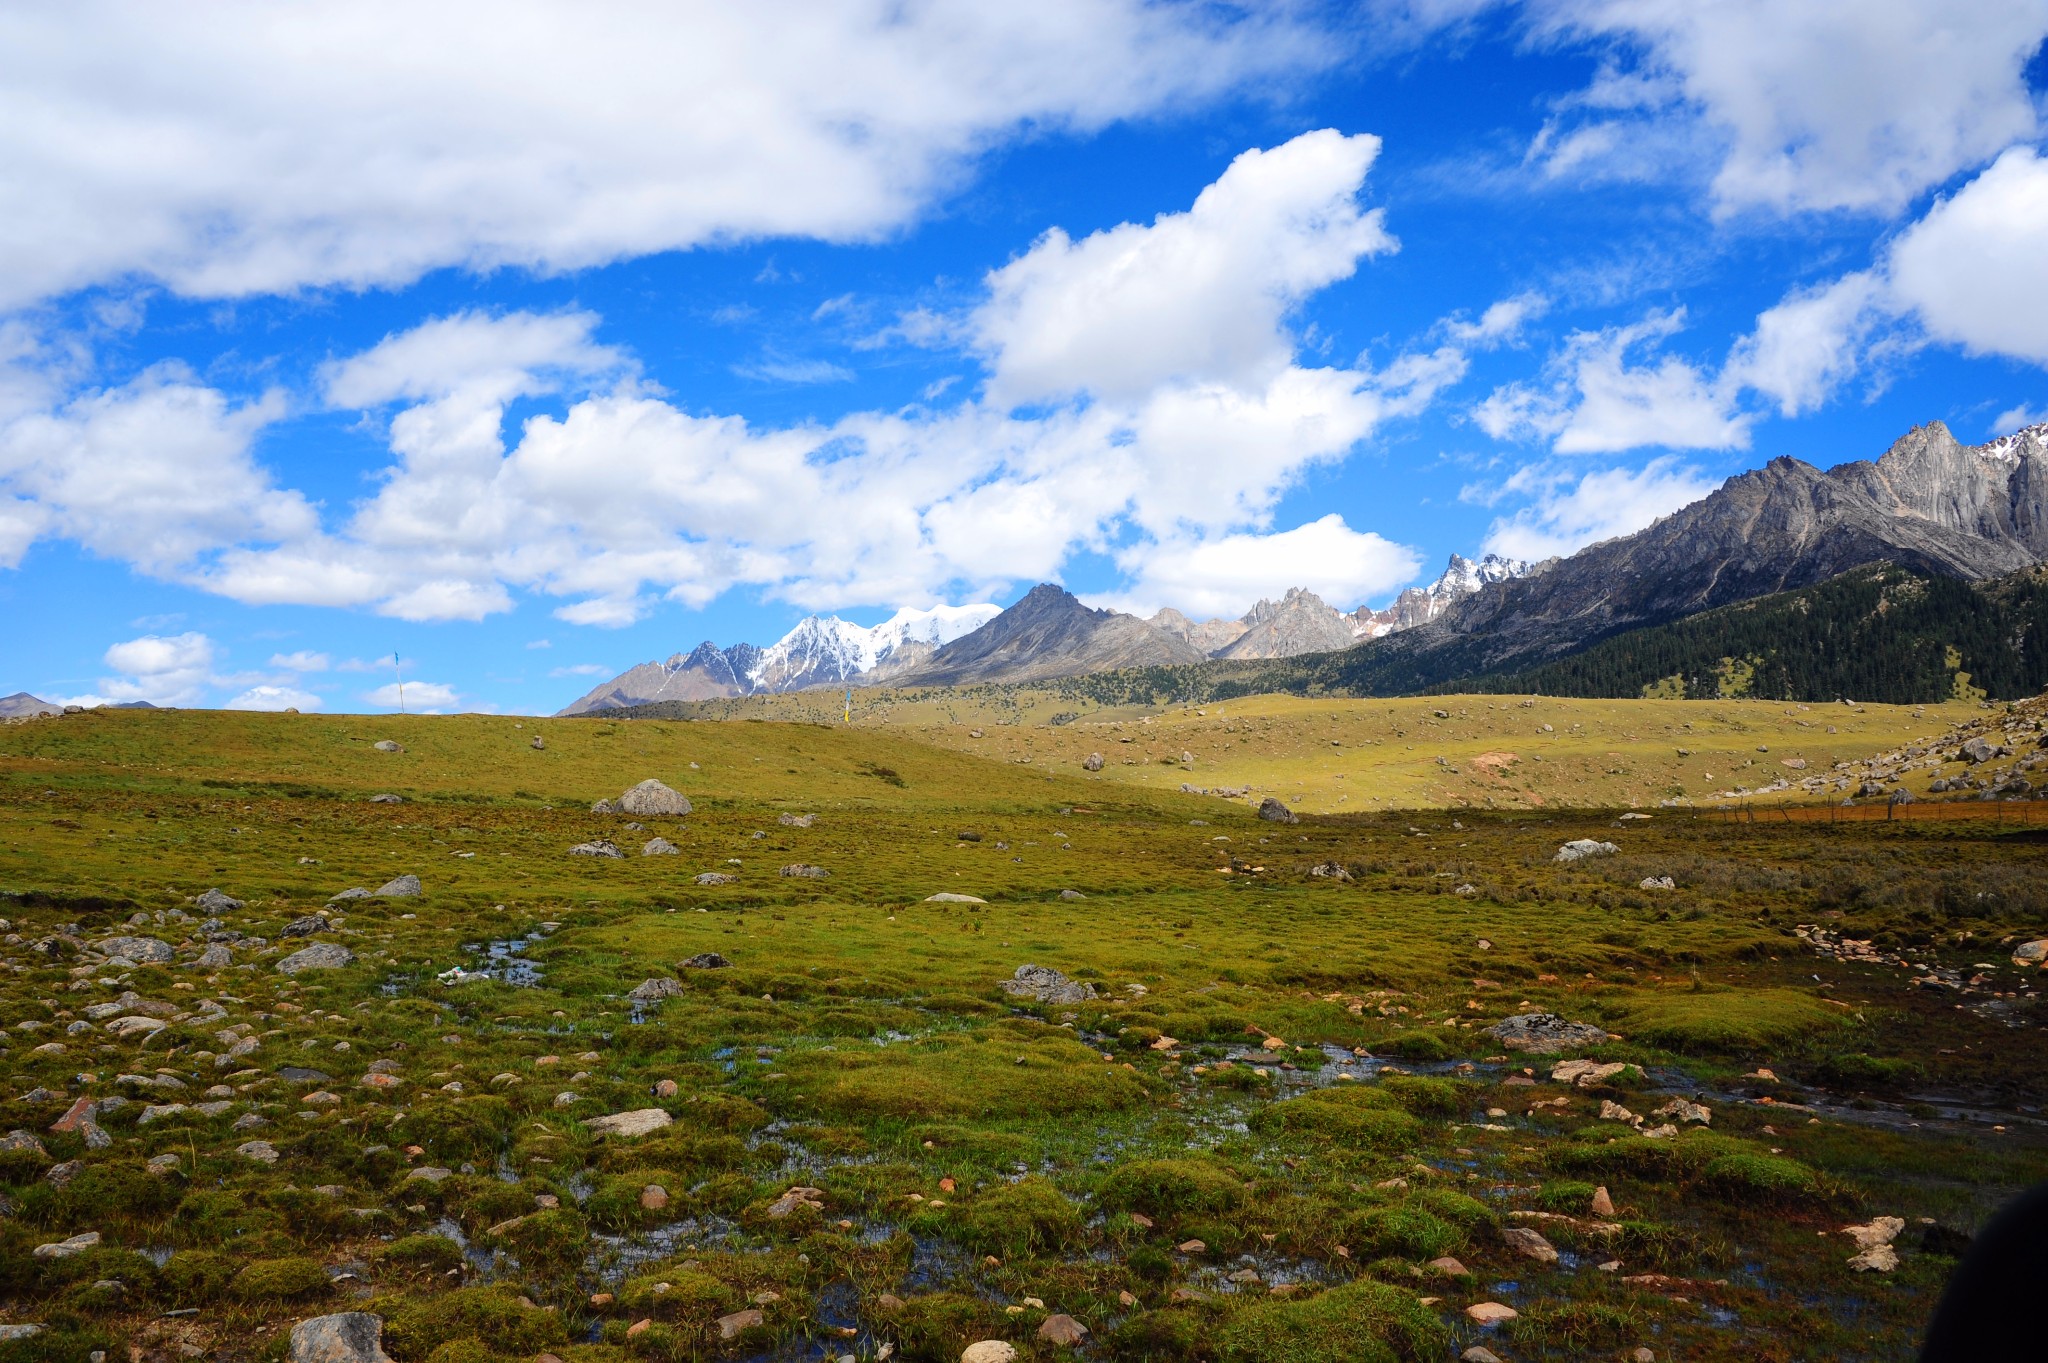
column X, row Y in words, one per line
column 1464, row 577
column 2009, row 449
column 825, row 648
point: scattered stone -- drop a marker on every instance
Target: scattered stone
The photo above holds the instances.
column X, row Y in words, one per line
column 1071, row 896
column 348, row 1337
column 788, row 820
column 1491, row 1312
column 354, row 892
column 731, row 1327
column 1602, row 1205
column 1449, row 1267
column 659, row 847
column 24, row 1140
column 1479, row 1353
column 1685, row 1111
column 801, row 871
column 1063, row 1331
column 1043, row 983
column 60, row 1174
column 653, row 1197
column 795, row 1200
column 1273, row 811
column 304, row 927
column 715, row 878
column 653, row 991
column 140, row 950
column 705, row 960
column 64, row 1249
column 319, row 956
column 429, row 1173
column 404, row 887
column 989, row 1351
column 627, row 1124
column 1092, row 762
column 948, row 897
column 1585, row 1073
column 9, row 1333
column 652, row 797
column 603, row 847
column 1880, row 1230
column 386, row 798
column 1657, row 883
column 1876, row 1259
column 386, row 745
column 213, row 901
column 1528, row 1244
column 539, row 744
column 1329, row 870
column 156, row 1112
column 215, row 957
column 2034, row 953
column 1578, row 849
column 1545, row 1034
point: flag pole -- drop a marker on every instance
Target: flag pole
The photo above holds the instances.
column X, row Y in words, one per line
column 401, row 681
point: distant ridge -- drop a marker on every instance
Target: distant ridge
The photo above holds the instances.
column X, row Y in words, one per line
column 1050, row 634
column 21, row 705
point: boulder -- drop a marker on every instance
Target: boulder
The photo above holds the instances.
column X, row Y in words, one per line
column 1657, row 883
column 353, row 892
column 653, row 991
column 1046, row 985
column 1092, row 762
column 348, row 1337
column 732, row 1326
column 715, row 878
column 1063, row 1331
column 1585, row 1073
column 796, row 820
column 261, row 1151
column 1070, row 896
column 705, row 960
column 64, row 1249
column 141, row 950
column 599, row 848
column 319, row 956
column 404, row 887
column 19, row 1140
column 627, row 1124
column 652, row 797
column 387, row 799
column 1578, row 849
column 948, row 897
column 9, row 1333
column 1528, row 1244
column 386, row 745
column 304, row 927
column 1491, row 1312
column 659, row 847
column 215, row 957
column 989, row 1351
column 1545, row 1033
column 2033, row 953
column 1273, row 811
column 1979, row 749
column 803, row 872
column 213, row 901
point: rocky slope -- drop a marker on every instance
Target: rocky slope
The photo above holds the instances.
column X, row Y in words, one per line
column 1299, row 622
column 22, row 705
column 1420, row 605
column 1050, row 634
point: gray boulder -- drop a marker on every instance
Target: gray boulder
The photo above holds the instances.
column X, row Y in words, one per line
column 1273, row 811
column 387, row 799
column 319, row 956
column 803, row 872
column 796, row 820
column 404, row 887
column 141, row 950
column 652, row 797
column 386, row 745
column 653, row 991
column 304, row 927
column 1043, row 983
column 716, row 878
column 1545, row 1034
column 1092, row 762
column 706, row 960
column 659, row 847
column 355, row 892
column 213, row 901
column 1980, row 749
column 215, row 957
column 348, row 1337
column 1578, row 849
column 600, row 848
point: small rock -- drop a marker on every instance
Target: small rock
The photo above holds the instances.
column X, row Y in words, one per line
column 705, row 960
column 319, row 956
column 1528, row 1244
column 2034, row 953
column 1603, row 1205
column 1071, row 895
column 386, row 798
column 788, row 820
column 1491, row 1312
column 140, row 950
column 386, row 745
column 1479, row 1353
column 1657, row 883
column 9, row 1333
column 304, row 927
column 801, row 871
column 989, row 1351
column 1876, row 1259
column 627, row 1124
column 796, row 1199
column 659, row 847
column 404, row 887
column 215, row 957
column 1062, row 1330
column 1880, row 1230
column 1092, row 762
column 1545, row 1033
column 948, row 897
column 348, row 1337
column 213, row 901
column 263, row 1151
column 1578, row 849
column 429, row 1173
column 1043, row 983
column 1273, row 811
column 64, row 1249
column 715, row 878
column 1585, row 1073
column 653, row 1197
column 60, row 1174
column 602, row 847
column 539, row 744
column 1449, row 1267
column 26, row 1140
column 652, row 991
column 730, row 1327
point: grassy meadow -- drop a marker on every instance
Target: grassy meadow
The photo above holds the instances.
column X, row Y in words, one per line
column 1278, row 1132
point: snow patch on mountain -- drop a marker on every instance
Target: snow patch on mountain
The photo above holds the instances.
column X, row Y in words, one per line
column 824, row 648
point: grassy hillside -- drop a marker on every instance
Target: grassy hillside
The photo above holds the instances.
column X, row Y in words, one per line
column 1333, row 756
column 1284, row 1071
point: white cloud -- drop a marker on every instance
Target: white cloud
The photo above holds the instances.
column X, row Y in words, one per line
column 2014, row 418
column 623, row 498
column 419, row 697
column 1501, row 323
column 795, row 371
column 1225, row 575
column 305, row 660
column 161, row 669
column 581, row 670
column 268, row 151
column 1810, row 104
column 1975, row 268
column 1807, row 346
column 1567, row 515
column 1195, row 297
column 269, row 697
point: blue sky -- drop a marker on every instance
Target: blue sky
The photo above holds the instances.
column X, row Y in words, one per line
column 532, row 341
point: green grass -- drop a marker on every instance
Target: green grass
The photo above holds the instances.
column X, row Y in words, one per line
column 973, row 1151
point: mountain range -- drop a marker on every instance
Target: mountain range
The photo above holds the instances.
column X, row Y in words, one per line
column 1048, row 633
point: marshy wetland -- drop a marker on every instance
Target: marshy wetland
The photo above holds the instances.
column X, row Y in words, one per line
column 1259, row 1116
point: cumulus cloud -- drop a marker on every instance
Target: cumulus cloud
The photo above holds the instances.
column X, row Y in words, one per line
column 1198, row 296
column 161, row 669
column 305, row 660
column 1568, row 512
column 1501, row 323
column 1226, row 574
column 1974, row 270
column 267, row 151
column 1802, row 105
column 621, row 499
column 418, row 697
column 271, row 697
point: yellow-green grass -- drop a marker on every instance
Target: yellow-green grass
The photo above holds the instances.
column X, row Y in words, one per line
column 1334, row 756
column 860, row 1044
